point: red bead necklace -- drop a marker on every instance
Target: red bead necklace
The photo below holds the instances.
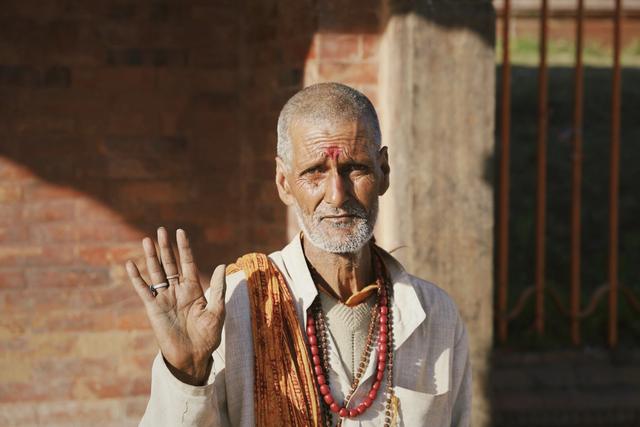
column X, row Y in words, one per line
column 382, row 348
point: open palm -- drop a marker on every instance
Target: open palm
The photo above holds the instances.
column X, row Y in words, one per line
column 187, row 327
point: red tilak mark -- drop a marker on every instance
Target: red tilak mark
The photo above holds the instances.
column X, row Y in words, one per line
column 333, row 152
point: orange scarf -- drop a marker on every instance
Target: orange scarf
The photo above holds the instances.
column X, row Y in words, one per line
column 285, row 392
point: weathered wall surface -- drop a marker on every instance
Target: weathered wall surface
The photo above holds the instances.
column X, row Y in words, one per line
column 436, row 91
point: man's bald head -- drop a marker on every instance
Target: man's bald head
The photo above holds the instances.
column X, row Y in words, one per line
column 333, row 102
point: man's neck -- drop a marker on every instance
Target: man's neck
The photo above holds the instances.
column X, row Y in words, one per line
column 346, row 274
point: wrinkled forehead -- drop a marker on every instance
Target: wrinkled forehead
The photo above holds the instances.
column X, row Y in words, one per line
column 332, row 136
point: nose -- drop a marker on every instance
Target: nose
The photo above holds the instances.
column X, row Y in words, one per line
column 336, row 191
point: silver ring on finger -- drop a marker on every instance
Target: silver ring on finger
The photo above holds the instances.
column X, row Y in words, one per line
column 154, row 288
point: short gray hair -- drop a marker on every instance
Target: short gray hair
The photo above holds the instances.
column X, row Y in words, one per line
column 325, row 101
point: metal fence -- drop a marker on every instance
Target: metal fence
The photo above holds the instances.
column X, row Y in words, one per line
column 612, row 291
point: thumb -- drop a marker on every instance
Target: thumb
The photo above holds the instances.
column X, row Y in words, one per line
column 218, row 286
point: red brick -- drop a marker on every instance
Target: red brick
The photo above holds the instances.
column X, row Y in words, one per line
column 53, row 232
column 354, row 74
column 58, row 389
column 132, row 319
column 52, row 210
column 39, row 190
column 132, row 123
column 10, row 192
column 370, row 46
column 92, row 210
column 45, row 124
column 78, row 320
column 107, row 387
column 11, row 278
column 339, row 47
column 217, row 233
column 116, row 79
column 14, row 171
column 18, row 254
column 103, row 255
column 106, row 232
column 83, row 412
column 156, row 191
column 61, row 277
column 74, row 366
column 14, row 233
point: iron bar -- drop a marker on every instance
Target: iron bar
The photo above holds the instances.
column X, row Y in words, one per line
column 503, row 218
column 576, row 179
column 614, row 178
column 541, row 188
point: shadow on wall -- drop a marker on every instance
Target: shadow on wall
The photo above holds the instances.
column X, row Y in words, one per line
column 162, row 117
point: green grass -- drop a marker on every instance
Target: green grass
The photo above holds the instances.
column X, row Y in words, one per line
column 526, row 51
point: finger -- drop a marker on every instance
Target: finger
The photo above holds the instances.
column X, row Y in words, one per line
column 166, row 255
column 141, row 287
column 153, row 265
column 218, row 287
column 186, row 256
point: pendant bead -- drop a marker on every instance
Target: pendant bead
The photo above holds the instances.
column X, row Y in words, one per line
column 343, row 412
column 353, row 413
column 313, row 340
column 324, row 389
column 334, row 407
column 328, row 399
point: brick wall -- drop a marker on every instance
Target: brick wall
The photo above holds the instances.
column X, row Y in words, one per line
column 119, row 116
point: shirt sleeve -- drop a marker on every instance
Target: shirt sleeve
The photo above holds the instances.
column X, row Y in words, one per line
column 461, row 392
column 174, row 403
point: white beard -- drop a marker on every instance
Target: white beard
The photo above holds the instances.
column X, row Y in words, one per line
column 331, row 237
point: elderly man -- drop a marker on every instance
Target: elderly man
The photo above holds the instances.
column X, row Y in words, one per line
column 331, row 330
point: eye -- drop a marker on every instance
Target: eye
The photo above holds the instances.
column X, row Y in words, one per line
column 356, row 167
column 314, row 170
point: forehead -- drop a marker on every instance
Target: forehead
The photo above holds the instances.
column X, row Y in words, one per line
column 314, row 138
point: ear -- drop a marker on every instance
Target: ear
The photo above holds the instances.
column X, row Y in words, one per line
column 383, row 161
column 284, row 190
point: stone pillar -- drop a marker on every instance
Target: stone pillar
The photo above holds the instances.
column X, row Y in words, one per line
column 437, row 105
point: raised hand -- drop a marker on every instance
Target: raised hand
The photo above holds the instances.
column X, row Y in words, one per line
column 187, row 328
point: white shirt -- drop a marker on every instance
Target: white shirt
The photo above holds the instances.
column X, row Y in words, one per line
column 431, row 377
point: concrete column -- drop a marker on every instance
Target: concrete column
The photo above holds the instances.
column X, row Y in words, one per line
column 437, row 105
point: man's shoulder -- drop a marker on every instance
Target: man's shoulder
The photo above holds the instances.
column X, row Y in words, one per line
column 433, row 298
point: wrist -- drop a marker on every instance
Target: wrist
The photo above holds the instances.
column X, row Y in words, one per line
column 194, row 374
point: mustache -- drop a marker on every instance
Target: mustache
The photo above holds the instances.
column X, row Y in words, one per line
column 352, row 209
